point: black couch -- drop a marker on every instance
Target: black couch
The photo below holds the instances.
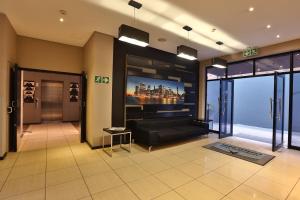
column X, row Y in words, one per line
column 154, row 132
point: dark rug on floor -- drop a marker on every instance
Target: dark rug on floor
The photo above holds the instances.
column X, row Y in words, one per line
column 239, row 152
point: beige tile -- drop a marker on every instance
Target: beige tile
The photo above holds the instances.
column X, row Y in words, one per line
column 173, row 177
column 142, row 157
column 117, row 193
column 56, row 153
column 60, row 163
column 87, row 198
column 239, row 174
column 193, row 170
column 30, row 157
column 218, row 182
column 172, row 160
column 269, row 187
column 35, row 195
column 62, row 175
column 7, row 163
column 27, row 170
column 94, row 168
column 102, row 181
column 154, row 166
column 247, row 193
column 131, row 173
column 116, row 163
column 87, row 158
column 295, row 194
column 4, row 174
column 196, row 190
column 67, row 191
column 170, row 196
column 148, row 188
column 22, row 185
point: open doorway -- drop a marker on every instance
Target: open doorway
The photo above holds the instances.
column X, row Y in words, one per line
column 253, row 108
column 51, row 110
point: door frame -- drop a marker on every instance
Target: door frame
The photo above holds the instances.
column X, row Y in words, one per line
column 274, row 146
column 13, row 108
column 13, row 136
column 232, row 107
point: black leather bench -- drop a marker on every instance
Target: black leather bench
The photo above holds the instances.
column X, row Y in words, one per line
column 154, row 132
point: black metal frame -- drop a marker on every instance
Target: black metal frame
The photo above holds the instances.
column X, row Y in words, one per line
column 275, row 147
column 13, row 94
column 291, row 87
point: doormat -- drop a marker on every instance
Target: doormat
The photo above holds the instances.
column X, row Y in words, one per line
column 241, row 153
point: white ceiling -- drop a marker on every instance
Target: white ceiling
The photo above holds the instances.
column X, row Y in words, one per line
column 236, row 26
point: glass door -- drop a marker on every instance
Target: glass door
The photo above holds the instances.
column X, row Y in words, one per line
column 294, row 137
column 278, row 112
column 226, row 108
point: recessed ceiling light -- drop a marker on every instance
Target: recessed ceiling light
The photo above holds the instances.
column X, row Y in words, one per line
column 61, row 19
column 251, row 9
column 269, row 26
column 278, row 36
column 298, row 54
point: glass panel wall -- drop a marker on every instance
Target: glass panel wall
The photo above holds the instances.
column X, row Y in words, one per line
column 212, row 106
column 240, row 69
column 296, row 58
column 271, row 64
column 215, row 73
column 296, row 112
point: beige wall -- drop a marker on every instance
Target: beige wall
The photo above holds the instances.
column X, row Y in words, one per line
column 41, row 54
column 98, row 57
column 264, row 51
column 7, row 57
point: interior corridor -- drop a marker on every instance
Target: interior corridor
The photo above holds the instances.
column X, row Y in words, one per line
column 49, row 135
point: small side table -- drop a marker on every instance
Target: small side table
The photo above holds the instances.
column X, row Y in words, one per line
column 113, row 133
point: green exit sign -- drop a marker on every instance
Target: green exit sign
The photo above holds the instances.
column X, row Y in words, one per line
column 102, row 79
column 250, row 52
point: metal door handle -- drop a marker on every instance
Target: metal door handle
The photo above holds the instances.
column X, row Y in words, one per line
column 9, row 110
column 271, row 108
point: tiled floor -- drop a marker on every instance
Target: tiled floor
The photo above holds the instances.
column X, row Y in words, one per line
column 65, row 169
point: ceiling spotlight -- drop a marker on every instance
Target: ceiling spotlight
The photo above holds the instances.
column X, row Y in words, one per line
column 251, row 9
column 278, row 36
column 298, row 54
column 219, row 63
column 269, row 26
column 63, row 13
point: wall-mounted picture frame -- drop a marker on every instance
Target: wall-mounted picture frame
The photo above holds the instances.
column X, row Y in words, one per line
column 28, row 91
column 74, row 92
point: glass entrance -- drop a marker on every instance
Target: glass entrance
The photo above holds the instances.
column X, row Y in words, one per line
column 294, row 140
column 226, row 108
column 278, row 112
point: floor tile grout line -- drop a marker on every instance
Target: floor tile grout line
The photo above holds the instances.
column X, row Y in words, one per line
column 79, row 169
column 47, row 137
column 114, row 170
column 298, row 181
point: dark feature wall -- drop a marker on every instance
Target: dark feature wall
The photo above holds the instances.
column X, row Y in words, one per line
column 186, row 70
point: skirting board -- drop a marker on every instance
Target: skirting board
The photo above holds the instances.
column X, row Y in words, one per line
column 3, row 157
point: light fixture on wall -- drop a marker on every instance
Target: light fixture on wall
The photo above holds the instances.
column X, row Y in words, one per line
column 219, row 63
column 185, row 51
column 63, row 13
column 133, row 35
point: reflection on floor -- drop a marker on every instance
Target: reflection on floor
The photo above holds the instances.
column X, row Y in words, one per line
column 177, row 172
column 50, row 135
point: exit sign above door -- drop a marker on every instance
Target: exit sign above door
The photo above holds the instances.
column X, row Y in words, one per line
column 250, row 51
column 102, row 79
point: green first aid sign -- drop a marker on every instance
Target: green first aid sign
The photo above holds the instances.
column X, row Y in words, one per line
column 102, row 79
